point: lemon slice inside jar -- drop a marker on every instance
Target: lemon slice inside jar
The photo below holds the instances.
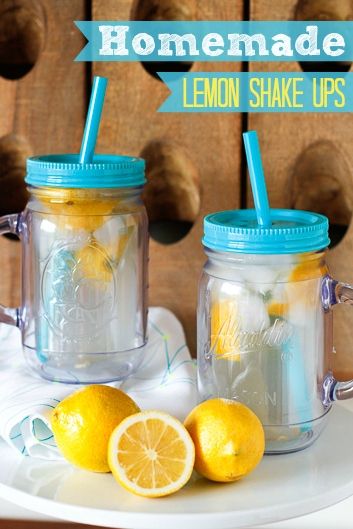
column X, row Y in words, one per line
column 303, row 282
column 77, row 209
column 81, row 210
column 308, row 269
column 225, row 338
column 300, row 287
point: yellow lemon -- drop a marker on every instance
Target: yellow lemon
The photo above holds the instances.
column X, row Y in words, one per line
column 94, row 262
column 303, row 286
column 277, row 308
column 225, row 338
column 151, row 454
column 229, row 439
column 308, row 269
column 97, row 261
column 77, row 208
column 83, row 422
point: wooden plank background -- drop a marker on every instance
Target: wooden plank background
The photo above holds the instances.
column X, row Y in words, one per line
column 23, row 524
column 44, row 110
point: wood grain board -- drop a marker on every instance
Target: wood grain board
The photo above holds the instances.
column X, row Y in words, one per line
column 45, row 108
column 326, row 141
column 23, row 524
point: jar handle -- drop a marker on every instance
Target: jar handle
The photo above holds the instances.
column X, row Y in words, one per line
column 333, row 293
column 10, row 224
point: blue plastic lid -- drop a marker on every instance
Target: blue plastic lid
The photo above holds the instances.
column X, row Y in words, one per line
column 106, row 171
column 292, row 231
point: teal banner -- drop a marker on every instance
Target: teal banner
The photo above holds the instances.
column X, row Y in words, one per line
column 258, row 92
column 216, row 41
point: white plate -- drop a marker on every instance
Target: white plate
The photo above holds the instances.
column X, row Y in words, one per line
column 281, row 487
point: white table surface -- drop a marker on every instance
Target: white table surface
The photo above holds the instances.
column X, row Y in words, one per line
column 338, row 516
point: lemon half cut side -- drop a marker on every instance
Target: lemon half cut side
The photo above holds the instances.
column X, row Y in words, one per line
column 151, row 454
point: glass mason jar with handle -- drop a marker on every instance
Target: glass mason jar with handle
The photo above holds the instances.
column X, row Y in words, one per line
column 84, row 237
column 265, row 322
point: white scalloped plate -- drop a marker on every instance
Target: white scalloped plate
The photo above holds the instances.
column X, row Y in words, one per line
column 281, row 487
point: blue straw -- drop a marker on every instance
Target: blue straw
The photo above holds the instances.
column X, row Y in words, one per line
column 93, row 119
column 257, row 178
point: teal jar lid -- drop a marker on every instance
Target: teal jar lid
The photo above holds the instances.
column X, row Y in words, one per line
column 105, row 171
column 292, row 231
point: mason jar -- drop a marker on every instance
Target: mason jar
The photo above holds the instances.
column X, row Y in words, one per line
column 84, row 235
column 264, row 332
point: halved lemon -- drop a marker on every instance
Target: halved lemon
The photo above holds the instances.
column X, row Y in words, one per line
column 151, row 454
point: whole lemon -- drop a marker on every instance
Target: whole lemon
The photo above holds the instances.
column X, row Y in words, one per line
column 83, row 422
column 229, row 439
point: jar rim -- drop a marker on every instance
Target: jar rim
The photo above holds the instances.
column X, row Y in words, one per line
column 105, row 171
column 291, row 231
